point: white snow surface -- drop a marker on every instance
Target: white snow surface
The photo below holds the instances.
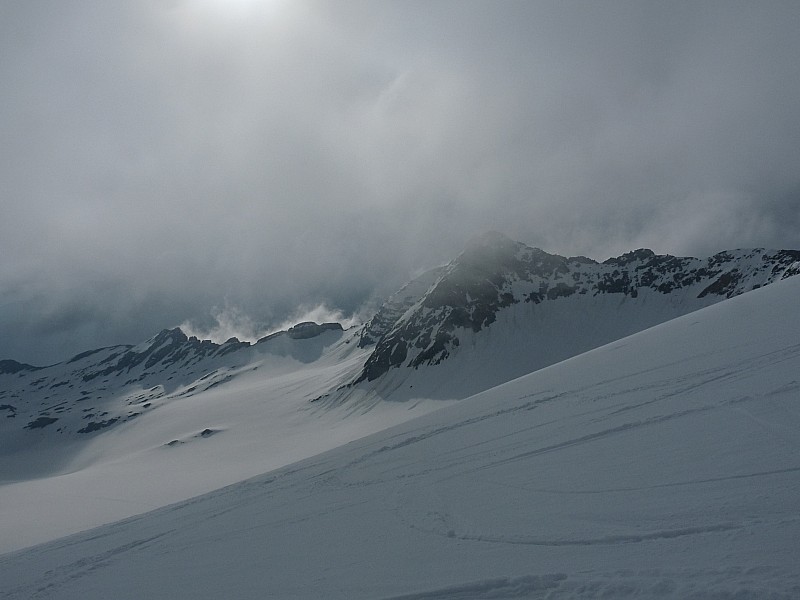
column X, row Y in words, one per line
column 662, row 465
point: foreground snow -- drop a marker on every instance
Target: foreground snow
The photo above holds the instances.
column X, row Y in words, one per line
column 666, row 464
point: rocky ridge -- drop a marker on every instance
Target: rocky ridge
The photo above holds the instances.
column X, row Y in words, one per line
column 494, row 273
column 495, row 285
column 108, row 386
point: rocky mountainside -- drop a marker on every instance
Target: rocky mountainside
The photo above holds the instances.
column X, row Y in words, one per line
column 435, row 314
column 110, row 386
column 500, row 310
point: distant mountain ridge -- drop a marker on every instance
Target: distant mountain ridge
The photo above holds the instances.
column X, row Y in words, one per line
column 426, row 325
column 499, row 310
column 12, row 366
column 108, row 386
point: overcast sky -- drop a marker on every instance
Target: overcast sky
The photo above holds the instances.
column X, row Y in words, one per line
column 234, row 164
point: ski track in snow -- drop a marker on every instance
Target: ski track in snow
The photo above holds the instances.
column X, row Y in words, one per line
column 657, row 583
column 530, row 586
column 663, row 485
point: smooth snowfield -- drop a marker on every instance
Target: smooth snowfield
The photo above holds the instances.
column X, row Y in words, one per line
column 663, row 465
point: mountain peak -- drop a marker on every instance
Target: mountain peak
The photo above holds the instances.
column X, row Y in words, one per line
column 640, row 255
column 175, row 335
column 495, row 273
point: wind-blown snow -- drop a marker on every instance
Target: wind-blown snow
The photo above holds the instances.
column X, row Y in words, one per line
column 662, row 465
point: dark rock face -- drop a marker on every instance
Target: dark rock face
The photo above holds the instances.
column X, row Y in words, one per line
column 169, row 347
column 303, row 331
column 394, row 308
column 641, row 255
column 495, row 272
column 786, row 262
column 98, row 425
column 41, row 423
column 308, row 330
column 466, row 294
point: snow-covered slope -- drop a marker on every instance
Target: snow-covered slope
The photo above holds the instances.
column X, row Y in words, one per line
column 116, row 431
column 167, row 420
column 107, row 387
column 663, row 465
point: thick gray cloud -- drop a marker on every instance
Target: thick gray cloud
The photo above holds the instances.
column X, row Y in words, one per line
column 233, row 164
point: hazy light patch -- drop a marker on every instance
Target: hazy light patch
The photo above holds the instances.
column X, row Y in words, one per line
column 319, row 314
column 230, row 321
column 234, row 10
column 352, row 142
column 720, row 221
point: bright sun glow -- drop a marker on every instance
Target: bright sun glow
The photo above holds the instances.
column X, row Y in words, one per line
column 217, row 17
column 238, row 8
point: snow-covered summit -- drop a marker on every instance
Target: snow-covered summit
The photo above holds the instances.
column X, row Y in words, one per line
column 498, row 278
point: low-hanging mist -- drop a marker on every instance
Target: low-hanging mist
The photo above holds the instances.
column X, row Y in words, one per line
column 162, row 159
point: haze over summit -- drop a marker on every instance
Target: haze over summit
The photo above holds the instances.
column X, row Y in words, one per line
column 168, row 163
